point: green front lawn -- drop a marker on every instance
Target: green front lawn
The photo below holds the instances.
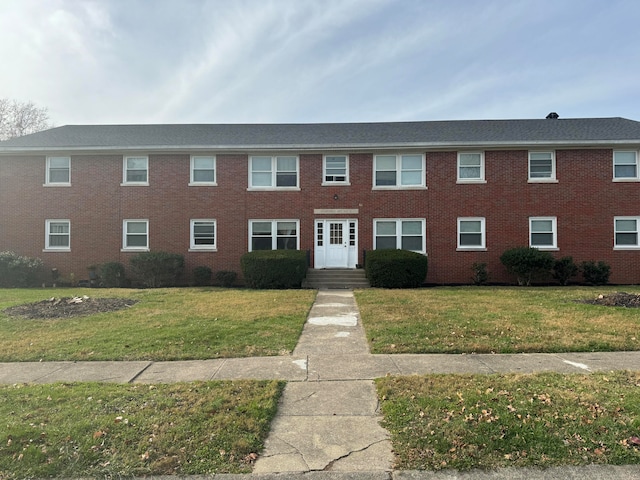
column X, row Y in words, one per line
column 496, row 319
column 165, row 324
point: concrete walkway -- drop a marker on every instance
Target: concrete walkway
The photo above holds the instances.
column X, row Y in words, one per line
column 327, row 424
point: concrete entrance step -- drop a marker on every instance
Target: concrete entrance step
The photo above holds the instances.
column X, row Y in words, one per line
column 331, row 278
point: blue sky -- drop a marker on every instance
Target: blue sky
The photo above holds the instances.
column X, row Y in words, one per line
column 276, row 61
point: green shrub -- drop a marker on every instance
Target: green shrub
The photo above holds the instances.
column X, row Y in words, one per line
column 480, row 274
column 395, row 268
column 527, row 264
column 274, row 268
column 564, row 269
column 226, row 278
column 19, row 271
column 157, row 269
column 202, row 276
column 596, row 273
column 112, row 275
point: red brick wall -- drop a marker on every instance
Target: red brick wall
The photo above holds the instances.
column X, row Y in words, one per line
column 584, row 200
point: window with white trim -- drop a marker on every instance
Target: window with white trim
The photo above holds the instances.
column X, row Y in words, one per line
column 58, row 171
column 625, row 165
column 399, row 171
column 273, row 172
column 136, row 171
column 203, row 234
column 626, row 233
column 203, row 170
column 58, row 235
column 335, row 169
column 135, row 235
column 543, row 232
column 401, row 234
column 470, row 167
column 471, row 233
column 542, row 167
column 274, row 235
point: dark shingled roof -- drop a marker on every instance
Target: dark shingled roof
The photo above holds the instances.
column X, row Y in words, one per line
column 234, row 137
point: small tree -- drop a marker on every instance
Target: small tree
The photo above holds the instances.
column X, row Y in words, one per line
column 21, row 118
column 564, row 269
column 480, row 273
column 527, row 264
column 157, row 269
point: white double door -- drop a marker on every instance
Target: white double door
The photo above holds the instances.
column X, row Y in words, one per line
column 336, row 244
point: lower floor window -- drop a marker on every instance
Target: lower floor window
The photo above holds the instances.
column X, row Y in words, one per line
column 543, row 232
column 471, row 233
column 203, row 234
column 273, row 235
column 135, row 235
column 58, row 235
column 403, row 234
column 626, row 232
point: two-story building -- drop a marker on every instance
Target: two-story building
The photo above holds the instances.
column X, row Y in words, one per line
column 458, row 191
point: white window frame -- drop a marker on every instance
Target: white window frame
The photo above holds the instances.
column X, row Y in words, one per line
column 125, row 170
column 48, row 247
column 207, row 247
column 48, row 182
column 482, row 232
column 480, row 178
column 552, row 178
column 192, row 170
column 398, row 169
column 398, row 232
column 274, row 173
column 274, row 231
column 554, row 232
column 636, row 177
column 346, row 171
column 616, row 232
column 125, row 247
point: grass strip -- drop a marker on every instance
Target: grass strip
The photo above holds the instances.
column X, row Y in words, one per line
column 165, row 324
column 86, row 429
column 496, row 320
column 489, row 421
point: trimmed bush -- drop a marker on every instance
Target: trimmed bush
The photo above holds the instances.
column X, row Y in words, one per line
column 226, row 278
column 596, row 273
column 112, row 275
column 274, row 269
column 480, row 274
column 202, row 276
column 395, row 268
column 564, row 269
column 527, row 264
column 157, row 269
column 19, row 271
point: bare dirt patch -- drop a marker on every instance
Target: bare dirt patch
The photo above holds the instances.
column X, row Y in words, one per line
column 616, row 299
column 68, row 307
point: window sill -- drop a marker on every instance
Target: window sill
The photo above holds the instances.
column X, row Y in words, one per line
column 336, row 184
column 546, row 249
column 627, row 247
column 49, row 250
column 56, row 184
column 273, row 189
column 543, row 180
column 134, row 184
column 141, row 249
column 471, row 249
column 192, row 249
column 203, row 184
column 626, row 179
column 393, row 187
column 476, row 181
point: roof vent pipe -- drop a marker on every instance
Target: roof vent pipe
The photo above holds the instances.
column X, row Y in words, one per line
column 553, row 115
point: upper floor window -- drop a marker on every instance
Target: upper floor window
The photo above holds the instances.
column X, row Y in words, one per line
column 273, row 172
column 398, row 171
column 470, row 167
column 203, row 170
column 335, row 169
column 273, row 235
column 626, row 233
column 403, row 234
column 625, row 165
column 542, row 167
column 471, row 233
column 58, row 171
column 136, row 171
column 135, row 235
column 58, row 235
column 543, row 232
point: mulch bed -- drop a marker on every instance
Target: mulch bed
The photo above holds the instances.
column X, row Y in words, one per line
column 68, row 307
column 616, row 299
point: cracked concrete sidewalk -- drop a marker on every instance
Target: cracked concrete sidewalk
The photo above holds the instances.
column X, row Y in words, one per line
column 329, row 422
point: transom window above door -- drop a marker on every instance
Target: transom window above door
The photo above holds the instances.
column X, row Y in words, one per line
column 335, row 170
column 278, row 172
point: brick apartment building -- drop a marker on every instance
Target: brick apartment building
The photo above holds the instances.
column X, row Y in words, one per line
column 458, row 191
